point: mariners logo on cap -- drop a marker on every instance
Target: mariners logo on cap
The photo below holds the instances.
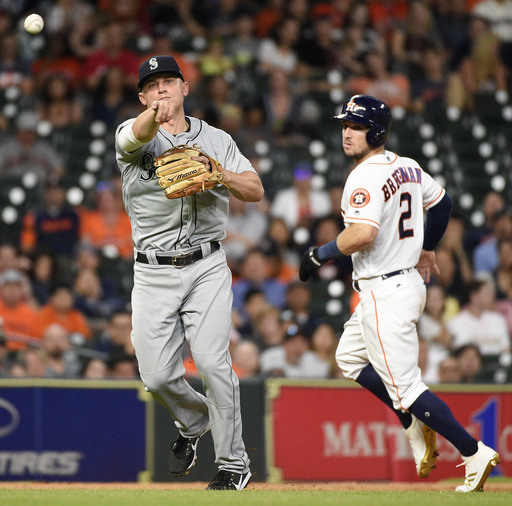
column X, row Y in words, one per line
column 359, row 198
column 153, row 63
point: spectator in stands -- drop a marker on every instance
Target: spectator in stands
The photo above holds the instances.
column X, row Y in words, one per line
column 246, row 227
column 412, row 36
column 293, row 358
column 485, row 255
column 298, row 301
column 300, row 204
column 327, row 229
column 123, row 366
column 452, row 21
column 116, row 337
column 324, row 342
column 268, row 17
column 19, row 318
column 88, row 258
column 112, row 102
column 277, row 52
column 254, row 304
column 5, row 363
column 318, row 48
column 94, row 368
column 61, row 360
column 503, row 272
column 242, row 48
column 449, row 277
column 254, row 273
column 30, row 363
column 433, row 330
column 453, row 241
column 252, row 131
column 14, row 66
column 358, row 27
column 8, row 257
column 53, row 227
column 477, row 324
column 107, row 225
column 56, row 59
column 269, row 329
column 449, row 371
column 480, row 70
column 379, row 81
column 469, row 363
column 278, row 267
column 432, row 91
column 246, row 359
column 58, row 102
column 279, row 232
column 163, row 43
column 42, row 276
column 59, row 309
column 24, row 152
column 112, row 52
column 213, row 61
column 498, row 13
column 63, row 16
column 492, row 203
column 497, row 299
column 92, row 301
column 220, row 103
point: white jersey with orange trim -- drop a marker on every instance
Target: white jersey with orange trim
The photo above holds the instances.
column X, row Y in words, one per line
column 390, row 193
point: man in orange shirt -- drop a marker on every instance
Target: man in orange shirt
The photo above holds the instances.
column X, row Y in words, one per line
column 60, row 310
column 19, row 319
column 107, row 224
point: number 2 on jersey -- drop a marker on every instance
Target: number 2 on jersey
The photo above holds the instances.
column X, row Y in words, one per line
column 406, row 214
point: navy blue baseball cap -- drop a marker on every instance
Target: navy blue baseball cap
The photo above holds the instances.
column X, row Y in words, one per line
column 158, row 65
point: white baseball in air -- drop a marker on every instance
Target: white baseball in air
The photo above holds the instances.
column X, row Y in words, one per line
column 33, row 23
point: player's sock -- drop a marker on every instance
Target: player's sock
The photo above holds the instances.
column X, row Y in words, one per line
column 435, row 413
column 370, row 380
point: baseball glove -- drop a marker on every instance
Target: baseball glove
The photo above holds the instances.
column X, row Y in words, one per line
column 180, row 176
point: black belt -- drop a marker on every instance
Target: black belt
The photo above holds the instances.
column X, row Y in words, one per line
column 391, row 274
column 383, row 276
column 178, row 260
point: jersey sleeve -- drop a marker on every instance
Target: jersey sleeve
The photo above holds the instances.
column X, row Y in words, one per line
column 362, row 200
column 433, row 192
column 231, row 158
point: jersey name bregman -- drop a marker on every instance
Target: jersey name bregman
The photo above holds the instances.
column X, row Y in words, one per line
column 399, row 177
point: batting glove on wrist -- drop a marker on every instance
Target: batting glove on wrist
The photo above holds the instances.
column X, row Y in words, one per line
column 309, row 264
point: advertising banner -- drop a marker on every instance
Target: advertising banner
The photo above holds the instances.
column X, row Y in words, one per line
column 335, row 430
column 55, row 430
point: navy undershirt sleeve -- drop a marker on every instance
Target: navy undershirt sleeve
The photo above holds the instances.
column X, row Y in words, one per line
column 437, row 221
column 329, row 251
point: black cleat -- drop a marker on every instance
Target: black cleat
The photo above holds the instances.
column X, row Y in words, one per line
column 183, row 455
column 226, row 480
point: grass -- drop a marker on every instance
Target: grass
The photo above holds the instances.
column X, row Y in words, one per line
column 123, row 497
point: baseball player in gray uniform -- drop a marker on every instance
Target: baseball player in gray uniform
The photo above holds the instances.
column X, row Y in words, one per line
column 182, row 285
column 392, row 251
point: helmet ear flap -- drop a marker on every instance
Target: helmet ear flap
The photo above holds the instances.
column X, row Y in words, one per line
column 376, row 136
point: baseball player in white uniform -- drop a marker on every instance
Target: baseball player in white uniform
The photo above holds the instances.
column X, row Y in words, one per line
column 182, row 285
column 393, row 255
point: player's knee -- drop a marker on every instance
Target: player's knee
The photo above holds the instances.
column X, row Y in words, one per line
column 348, row 367
column 162, row 381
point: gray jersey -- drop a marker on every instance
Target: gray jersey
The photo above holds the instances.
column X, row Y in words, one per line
column 176, row 225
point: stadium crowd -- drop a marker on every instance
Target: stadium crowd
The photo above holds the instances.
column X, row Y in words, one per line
column 260, row 70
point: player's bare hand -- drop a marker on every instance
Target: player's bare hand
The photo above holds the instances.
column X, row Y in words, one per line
column 203, row 159
column 427, row 265
column 164, row 109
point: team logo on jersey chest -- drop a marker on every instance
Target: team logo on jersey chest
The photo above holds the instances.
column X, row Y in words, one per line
column 359, row 198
